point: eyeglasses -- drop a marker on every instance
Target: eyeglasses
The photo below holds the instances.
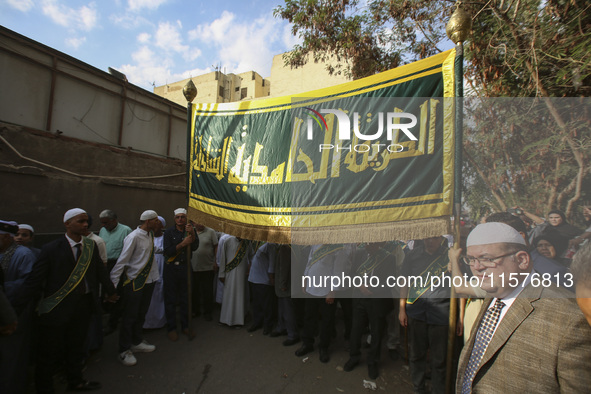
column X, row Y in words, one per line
column 484, row 261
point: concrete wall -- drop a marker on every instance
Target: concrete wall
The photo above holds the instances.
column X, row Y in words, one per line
column 39, row 195
column 74, row 136
column 47, row 90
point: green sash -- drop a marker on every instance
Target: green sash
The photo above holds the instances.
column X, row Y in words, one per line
column 240, row 253
column 46, row 305
column 173, row 258
column 256, row 245
column 373, row 261
column 140, row 279
column 324, row 251
column 436, row 268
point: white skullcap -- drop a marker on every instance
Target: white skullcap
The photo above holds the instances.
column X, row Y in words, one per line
column 162, row 221
column 149, row 214
column 26, row 227
column 180, row 211
column 104, row 214
column 73, row 212
column 494, row 233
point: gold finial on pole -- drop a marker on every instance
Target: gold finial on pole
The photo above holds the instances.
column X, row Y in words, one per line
column 190, row 91
column 459, row 25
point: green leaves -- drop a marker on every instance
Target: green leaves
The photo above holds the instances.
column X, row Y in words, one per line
column 525, row 48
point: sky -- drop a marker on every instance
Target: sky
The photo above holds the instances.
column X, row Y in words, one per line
column 154, row 42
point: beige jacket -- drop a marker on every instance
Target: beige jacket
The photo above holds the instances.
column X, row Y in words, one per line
column 542, row 345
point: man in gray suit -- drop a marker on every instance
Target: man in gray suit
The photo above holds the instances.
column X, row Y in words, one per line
column 530, row 337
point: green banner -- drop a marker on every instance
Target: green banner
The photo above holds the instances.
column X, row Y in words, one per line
column 369, row 160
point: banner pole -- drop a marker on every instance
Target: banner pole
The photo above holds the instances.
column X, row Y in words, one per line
column 457, row 29
column 457, row 210
column 189, row 91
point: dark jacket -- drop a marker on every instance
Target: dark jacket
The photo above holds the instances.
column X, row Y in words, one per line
column 52, row 270
column 173, row 237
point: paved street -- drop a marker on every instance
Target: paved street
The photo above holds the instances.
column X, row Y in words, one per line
column 226, row 360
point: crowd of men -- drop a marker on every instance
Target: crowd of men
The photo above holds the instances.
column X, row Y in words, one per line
column 522, row 328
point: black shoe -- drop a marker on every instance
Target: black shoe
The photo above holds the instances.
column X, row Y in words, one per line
column 266, row 331
column 350, row 364
column 372, row 371
column 85, row 385
column 278, row 333
column 290, row 342
column 304, row 349
column 253, row 328
column 324, row 357
column 394, row 356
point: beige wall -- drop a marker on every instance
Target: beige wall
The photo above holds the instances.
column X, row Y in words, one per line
column 209, row 86
column 284, row 81
column 312, row 76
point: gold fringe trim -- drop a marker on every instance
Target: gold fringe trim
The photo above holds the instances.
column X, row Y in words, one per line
column 375, row 232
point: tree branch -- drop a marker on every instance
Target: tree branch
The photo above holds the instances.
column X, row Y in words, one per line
column 485, row 180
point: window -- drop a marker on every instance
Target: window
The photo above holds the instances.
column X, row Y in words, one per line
column 243, row 93
column 221, row 94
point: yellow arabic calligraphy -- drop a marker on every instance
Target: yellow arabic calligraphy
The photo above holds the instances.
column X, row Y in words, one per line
column 250, row 169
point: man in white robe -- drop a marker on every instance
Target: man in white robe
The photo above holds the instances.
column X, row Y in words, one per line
column 234, row 260
column 156, row 317
column 218, row 286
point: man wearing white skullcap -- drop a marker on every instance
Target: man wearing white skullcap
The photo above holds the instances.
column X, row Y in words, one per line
column 16, row 262
column 175, row 274
column 481, row 242
column 66, row 276
column 71, row 213
column 140, row 273
column 180, row 211
column 530, row 337
column 25, row 237
column 156, row 317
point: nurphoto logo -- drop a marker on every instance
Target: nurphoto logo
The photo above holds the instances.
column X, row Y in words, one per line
column 392, row 120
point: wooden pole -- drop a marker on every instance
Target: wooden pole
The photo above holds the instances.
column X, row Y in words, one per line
column 457, row 29
column 189, row 91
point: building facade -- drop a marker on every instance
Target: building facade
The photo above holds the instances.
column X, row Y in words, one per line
column 217, row 87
